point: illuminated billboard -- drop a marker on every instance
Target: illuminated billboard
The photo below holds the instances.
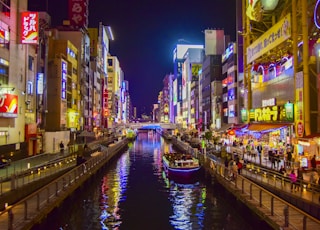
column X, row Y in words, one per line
column 175, row 91
column 184, row 81
column 4, row 33
column 8, row 105
column 78, row 13
column 104, row 49
column 277, row 34
column 40, row 83
column 63, row 80
column 29, row 28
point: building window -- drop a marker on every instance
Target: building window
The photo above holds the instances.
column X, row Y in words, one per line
column 5, row 7
column 30, row 63
column 29, row 88
column 4, row 71
column 110, row 62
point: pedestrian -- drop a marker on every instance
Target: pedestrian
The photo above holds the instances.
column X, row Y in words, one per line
column 277, row 159
column 259, row 149
column 226, row 165
column 273, row 159
column 293, row 180
column 240, row 165
column 283, row 170
column 234, row 170
column 313, row 162
column 61, row 147
column 289, row 157
column 300, row 179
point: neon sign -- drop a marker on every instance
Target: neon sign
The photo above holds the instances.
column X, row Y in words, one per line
column 63, row 80
column 315, row 15
column 29, row 27
column 8, row 105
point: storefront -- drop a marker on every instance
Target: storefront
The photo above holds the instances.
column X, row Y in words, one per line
column 305, row 149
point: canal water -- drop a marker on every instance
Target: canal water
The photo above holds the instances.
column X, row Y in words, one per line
column 133, row 193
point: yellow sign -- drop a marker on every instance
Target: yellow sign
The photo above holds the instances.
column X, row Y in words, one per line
column 277, row 34
column 299, row 121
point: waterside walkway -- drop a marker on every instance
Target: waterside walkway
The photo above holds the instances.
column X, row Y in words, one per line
column 265, row 191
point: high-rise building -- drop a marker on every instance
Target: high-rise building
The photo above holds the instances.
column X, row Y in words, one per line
column 178, row 60
column 115, row 76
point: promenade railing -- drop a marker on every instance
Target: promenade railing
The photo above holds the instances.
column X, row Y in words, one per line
column 286, row 214
column 23, row 214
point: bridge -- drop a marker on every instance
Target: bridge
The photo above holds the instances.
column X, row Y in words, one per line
column 148, row 125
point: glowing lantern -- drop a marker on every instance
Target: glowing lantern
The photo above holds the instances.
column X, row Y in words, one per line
column 231, row 132
column 269, row 4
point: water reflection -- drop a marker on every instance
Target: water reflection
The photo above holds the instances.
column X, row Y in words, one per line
column 113, row 187
column 135, row 193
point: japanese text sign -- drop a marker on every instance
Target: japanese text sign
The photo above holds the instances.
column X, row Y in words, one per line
column 29, row 27
column 78, row 13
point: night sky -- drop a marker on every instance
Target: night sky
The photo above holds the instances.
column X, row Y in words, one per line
column 146, row 32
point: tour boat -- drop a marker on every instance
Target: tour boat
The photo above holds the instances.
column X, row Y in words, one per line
column 180, row 164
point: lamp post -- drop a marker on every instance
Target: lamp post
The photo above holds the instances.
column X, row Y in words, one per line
column 246, row 66
column 306, row 83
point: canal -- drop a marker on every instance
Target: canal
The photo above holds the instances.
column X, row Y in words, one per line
column 133, row 192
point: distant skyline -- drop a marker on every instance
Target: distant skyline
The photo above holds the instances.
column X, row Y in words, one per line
column 146, row 33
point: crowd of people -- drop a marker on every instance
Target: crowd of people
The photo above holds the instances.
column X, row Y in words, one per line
column 280, row 160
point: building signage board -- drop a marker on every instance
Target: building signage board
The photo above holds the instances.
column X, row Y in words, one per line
column 63, row 80
column 78, row 13
column 277, row 34
column 272, row 113
column 228, row 52
column 8, row 105
column 29, row 28
column 299, row 122
column 40, row 83
column 4, row 33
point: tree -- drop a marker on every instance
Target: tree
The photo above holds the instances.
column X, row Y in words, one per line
column 208, row 135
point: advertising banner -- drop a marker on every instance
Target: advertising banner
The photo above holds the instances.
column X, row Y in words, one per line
column 63, row 80
column 29, row 28
column 8, row 105
column 277, row 34
column 299, row 123
column 4, row 33
column 78, row 13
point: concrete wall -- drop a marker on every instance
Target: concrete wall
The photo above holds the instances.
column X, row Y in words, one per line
column 53, row 139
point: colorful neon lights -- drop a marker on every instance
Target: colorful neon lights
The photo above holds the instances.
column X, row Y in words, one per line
column 315, row 15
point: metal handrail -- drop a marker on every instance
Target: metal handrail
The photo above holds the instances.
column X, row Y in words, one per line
column 18, row 215
column 267, row 200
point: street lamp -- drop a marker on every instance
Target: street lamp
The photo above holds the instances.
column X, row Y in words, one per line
column 269, row 5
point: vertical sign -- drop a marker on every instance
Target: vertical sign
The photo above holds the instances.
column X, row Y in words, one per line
column 78, row 13
column 63, row 80
column 29, row 28
column 40, row 83
column 299, row 123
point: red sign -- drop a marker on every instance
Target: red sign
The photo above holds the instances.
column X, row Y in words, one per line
column 78, row 13
column 29, row 27
column 300, row 129
column 231, row 132
column 8, row 105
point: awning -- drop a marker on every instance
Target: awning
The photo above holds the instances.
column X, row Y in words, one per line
column 224, row 128
column 265, row 127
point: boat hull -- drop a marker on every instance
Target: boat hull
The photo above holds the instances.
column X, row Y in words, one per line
column 180, row 172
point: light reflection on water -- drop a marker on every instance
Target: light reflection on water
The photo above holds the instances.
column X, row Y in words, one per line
column 135, row 193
